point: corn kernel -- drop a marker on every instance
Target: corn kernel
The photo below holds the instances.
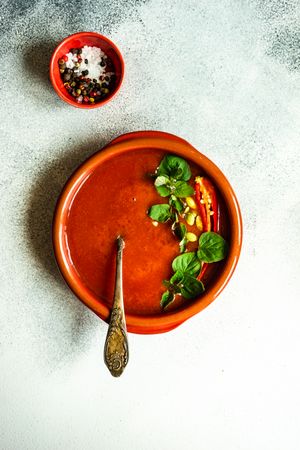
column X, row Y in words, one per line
column 191, row 237
column 191, row 202
column 190, row 219
column 199, row 223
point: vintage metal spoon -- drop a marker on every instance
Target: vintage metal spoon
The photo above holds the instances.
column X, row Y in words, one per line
column 116, row 345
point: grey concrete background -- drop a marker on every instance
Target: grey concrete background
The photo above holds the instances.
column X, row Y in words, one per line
column 225, row 76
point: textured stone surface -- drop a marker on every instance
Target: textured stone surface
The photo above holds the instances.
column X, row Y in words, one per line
column 225, row 76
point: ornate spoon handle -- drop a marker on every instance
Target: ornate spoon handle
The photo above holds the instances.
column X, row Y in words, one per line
column 116, row 345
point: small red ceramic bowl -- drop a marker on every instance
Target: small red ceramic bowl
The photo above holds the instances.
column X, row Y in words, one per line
column 139, row 319
column 78, row 40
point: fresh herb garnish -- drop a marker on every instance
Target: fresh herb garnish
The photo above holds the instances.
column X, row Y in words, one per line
column 191, row 287
column 187, row 263
column 184, row 281
column 179, row 229
column 163, row 186
column 171, row 180
column 183, row 244
column 166, row 299
column 176, row 203
column 182, row 189
column 212, row 247
column 166, row 186
column 172, row 176
column 186, row 267
column 160, row 213
column 175, row 168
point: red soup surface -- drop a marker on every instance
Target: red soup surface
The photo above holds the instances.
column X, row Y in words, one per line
column 114, row 200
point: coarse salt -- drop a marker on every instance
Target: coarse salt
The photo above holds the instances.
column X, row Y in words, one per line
column 94, row 56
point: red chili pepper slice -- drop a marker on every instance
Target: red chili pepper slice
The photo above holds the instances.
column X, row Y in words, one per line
column 203, row 216
column 203, row 270
column 208, row 221
column 214, row 203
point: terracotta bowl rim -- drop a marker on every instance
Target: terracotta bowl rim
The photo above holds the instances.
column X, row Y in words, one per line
column 53, row 61
column 166, row 320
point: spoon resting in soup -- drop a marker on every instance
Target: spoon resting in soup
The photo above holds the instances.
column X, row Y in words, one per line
column 171, row 218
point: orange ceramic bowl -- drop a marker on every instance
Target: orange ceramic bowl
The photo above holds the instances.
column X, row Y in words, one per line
column 163, row 321
column 79, row 40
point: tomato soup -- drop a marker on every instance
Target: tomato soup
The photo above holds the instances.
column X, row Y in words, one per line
column 114, row 200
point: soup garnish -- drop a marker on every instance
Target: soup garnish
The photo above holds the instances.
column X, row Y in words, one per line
column 193, row 211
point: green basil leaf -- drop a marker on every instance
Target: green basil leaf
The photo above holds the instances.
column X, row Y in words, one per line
column 175, row 289
column 174, row 167
column 162, row 185
column 179, row 230
column 175, row 218
column 192, row 287
column 183, row 189
column 164, row 190
column 161, row 180
column 176, row 203
column 160, row 213
column 166, row 299
column 177, row 278
column 212, row 247
column 171, row 287
column 187, row 263
column 182, row 245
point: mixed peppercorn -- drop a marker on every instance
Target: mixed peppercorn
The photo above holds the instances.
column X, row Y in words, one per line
column 78, row 83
